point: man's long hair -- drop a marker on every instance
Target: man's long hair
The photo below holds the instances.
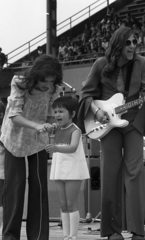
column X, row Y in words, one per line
column 116, row 44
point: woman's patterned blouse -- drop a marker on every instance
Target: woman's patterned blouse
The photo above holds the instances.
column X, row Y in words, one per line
column 21, row 141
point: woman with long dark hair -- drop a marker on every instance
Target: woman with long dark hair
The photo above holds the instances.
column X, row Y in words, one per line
column 118, row 79
column 25, row 131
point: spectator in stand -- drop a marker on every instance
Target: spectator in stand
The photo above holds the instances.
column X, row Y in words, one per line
column 110, row 13
column 143, row 34
column 136, row 29
column 86, row 34
column 116, row 19
column 95, row 50
column 101, row 51
column 138, row 38
column 105, row 43
column 104, row 30
column 69, row 44
column 79, row 41
column 75, row 46
column 91, row 40
column 143, row 19
column 3, row 59
column 61, row 51
column 108, row 33
column 87, row 51
column 66, row 55
column 120, row 23
column 72, row 54
column 79, row 55
column 25, row 63
column 92, row 27
column 128, row 20
column 40, row 51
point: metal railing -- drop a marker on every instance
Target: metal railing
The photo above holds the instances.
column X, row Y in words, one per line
column 83, row 59
column 67, row 24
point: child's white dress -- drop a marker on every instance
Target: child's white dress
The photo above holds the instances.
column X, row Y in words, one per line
column 68, row 166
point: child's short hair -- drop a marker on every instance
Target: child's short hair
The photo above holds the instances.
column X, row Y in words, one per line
column 68, row 102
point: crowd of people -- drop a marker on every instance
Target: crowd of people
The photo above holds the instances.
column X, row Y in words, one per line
column 94, row 39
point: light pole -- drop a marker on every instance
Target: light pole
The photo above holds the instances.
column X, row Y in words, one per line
column 51, row 6
column 48, row 29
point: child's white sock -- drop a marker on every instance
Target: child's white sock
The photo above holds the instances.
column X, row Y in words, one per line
column 74, row 224
column 65, row 224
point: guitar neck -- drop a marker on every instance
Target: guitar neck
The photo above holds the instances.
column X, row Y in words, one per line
column 129, row 105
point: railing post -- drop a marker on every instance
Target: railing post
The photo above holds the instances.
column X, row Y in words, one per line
column 29, row 50
column 70, row 27
column 89, row 14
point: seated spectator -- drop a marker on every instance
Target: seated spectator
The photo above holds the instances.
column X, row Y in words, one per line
column 79, row 41
column 116, row 19
column 104, row 32
column 138, row 38
column 136, row 29
column 75, row 46
column 91, row 40
column 79, row 55
column 105, row 43
column 40, row 51
column 87, row 50
column 143, row 34
column 61, row 50
column 143, row 19
column 101, row 52
column 86, row 34
column 112, row 26
column 128, row 21
column 120, row 23
column 25, row 63
column 92, row 27
column 3, row 59
column 69, row 44
column 65, row 55
column 110, row 13
column 71, row 54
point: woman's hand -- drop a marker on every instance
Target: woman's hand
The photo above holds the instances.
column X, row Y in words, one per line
column 102, row 116
column 45, row 127
column 50, row 148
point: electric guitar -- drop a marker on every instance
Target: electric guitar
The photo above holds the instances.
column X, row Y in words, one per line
column 115, row 107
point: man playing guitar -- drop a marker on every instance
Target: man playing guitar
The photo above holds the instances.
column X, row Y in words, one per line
column 112, row 98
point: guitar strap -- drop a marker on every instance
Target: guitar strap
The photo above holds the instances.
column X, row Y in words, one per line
column 128, row 79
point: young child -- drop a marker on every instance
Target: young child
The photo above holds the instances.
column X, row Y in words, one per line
column 24, row 134
column 69, row 166
column 2, row 155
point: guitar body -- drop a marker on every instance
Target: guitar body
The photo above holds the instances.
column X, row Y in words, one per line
column 95, row 129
